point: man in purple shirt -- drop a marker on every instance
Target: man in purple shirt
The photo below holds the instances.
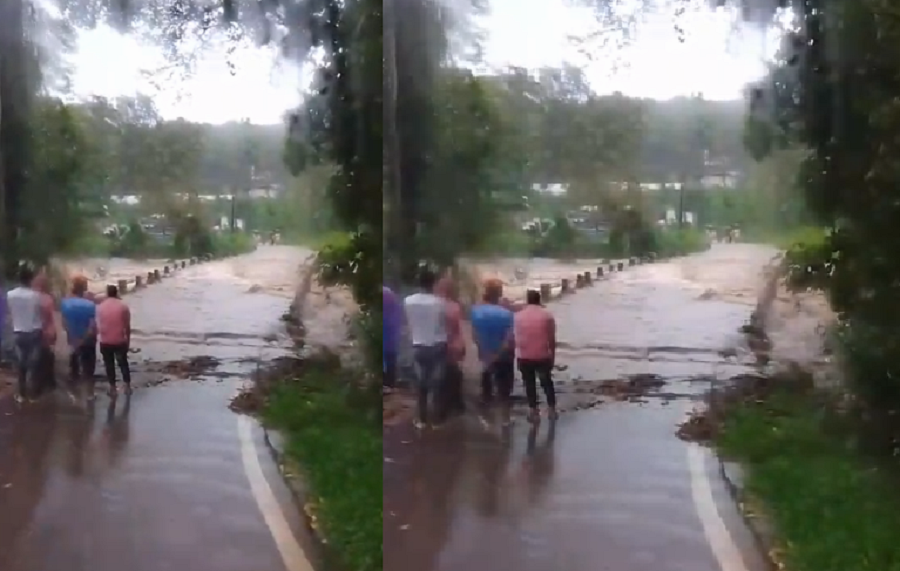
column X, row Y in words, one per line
column 392, row 324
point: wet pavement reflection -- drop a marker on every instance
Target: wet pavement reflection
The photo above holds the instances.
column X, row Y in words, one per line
column 154, row 481
column 602, row 489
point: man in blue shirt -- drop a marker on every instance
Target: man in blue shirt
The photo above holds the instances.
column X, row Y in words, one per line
column 79, row 319
column 492, row 327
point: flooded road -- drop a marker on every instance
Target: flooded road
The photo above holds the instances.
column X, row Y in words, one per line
column 168, row 479
column 610, row 488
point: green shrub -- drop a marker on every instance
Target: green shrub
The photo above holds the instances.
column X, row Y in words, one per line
column 232, row 244
column 803, row 236
column 367, row 328
column 134, row 242
column 668, row 242
column 91, row 244
column 336, row 261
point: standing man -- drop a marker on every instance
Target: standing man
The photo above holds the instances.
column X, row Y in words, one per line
column 24, row 305
column 114, row 332
column 46, row 357
column 535, row 342
column 392, row 325
column 492, row 327
column 426, row 315
column 456, row 347
column 79, row 319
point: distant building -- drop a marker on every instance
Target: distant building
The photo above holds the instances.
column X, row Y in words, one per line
column 723, row 179
column 263, row 193
column 553, row 188
column 127, row 199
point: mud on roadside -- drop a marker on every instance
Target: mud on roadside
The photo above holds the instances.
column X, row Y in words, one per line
column 788, row 334
column 318, row 323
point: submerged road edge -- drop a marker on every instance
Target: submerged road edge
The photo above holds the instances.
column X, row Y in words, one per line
column 292, row 553
column 724, row 548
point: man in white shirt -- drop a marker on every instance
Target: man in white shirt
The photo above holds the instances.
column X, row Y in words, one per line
column 24, row 306
column 426, row 316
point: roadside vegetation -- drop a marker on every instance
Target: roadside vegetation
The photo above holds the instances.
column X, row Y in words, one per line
column 823, row 464
column 332, row 426
column 834, row 505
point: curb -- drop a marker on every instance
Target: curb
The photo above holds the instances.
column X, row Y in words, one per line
column 759, row 524
column 275, row 443
column 734, row 474
column 292, row 475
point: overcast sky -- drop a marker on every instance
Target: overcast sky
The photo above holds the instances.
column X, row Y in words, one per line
column 710, row 56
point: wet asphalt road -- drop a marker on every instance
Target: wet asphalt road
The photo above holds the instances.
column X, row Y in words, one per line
column 606, row 489
column 155, row 482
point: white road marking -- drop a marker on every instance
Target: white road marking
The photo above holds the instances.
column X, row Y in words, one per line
column 727, row 553
column 292, row 554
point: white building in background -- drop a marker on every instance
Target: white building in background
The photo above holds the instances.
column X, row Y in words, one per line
column 724, row 179
column 225, row 223
column 127, row 199
column 552, row 188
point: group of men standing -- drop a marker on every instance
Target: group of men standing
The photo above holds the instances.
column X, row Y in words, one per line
column 88, row 321
column 504, row 335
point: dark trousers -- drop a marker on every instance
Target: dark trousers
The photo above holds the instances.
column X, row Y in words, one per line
column 28, row 355
column 115, row 355
column 389, row 371
column 498, row 378
column 83, row 360
column 431, row 366
column 532, row 371
column 46, row 369
column 453, row 389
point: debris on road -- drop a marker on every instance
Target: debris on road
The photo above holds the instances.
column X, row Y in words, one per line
column 191, row 368
column 703, row 425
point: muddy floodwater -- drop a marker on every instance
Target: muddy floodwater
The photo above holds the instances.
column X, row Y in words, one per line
column 158, row 481
column 608, row 486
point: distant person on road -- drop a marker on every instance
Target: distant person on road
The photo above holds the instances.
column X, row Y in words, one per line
column 114, row 333
column 535, row 342
column 492, row 327
column 46, row 359
column 24, row 304
column 392, row 326
column 80, row 321
column 456, row 347
column 426, row 315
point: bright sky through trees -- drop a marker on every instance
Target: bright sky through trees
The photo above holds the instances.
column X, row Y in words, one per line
column 711, row 55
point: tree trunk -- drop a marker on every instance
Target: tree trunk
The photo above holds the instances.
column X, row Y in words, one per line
column 14, row 113
column 392, row 196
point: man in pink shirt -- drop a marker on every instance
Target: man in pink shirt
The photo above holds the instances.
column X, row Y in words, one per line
column 535, row 338
column 114, row 333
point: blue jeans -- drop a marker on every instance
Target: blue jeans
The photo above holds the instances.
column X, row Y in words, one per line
column 28, row 354
column 431, row 374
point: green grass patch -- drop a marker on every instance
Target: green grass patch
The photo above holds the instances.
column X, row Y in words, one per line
column 334, row 433
column 804, row 236
column 680, row 241
column 232, row 243
column 834, row 509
